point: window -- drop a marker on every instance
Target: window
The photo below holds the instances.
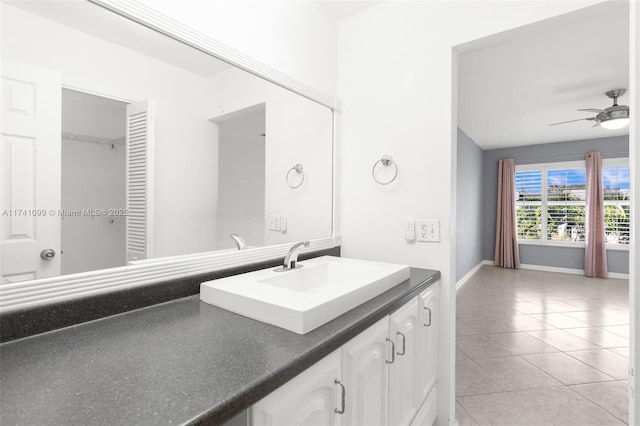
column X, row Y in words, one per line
column 551, row 202
column 615, row 177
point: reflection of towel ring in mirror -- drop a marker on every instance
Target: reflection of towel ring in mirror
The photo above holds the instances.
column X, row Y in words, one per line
column 299, row 170
column 386, row 161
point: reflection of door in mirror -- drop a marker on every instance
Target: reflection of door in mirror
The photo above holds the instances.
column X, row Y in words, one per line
column 93, row 182
column 29, row 173
column 95, row 51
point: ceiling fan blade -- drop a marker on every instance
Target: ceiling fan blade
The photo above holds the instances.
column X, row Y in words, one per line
column 571, row 121
column 592, row 110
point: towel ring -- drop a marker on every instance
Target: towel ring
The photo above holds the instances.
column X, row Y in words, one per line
column 298, row 169
column 386, row 161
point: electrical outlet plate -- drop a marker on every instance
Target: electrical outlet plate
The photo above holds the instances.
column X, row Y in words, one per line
column 427, row 230
column 421, row 230
column 283, row 223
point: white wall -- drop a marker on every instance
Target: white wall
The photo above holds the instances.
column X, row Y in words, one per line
column 93, row 176
column 397, row 82
column 298, row 38
column 186, row 142
column 297, row 131
column 241, row 179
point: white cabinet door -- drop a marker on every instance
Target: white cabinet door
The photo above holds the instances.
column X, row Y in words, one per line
column 429, row 411
column 311, row 398
column 365, row 375
column 428, row 341
column 403, row 330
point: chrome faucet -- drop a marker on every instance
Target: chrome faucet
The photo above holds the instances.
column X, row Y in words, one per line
column 239, row 241
column 291, row 259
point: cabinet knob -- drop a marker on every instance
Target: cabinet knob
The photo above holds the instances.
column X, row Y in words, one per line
column 404, row 343
column 344, row 393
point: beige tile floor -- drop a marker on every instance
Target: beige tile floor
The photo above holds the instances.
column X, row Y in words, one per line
column 541, row 348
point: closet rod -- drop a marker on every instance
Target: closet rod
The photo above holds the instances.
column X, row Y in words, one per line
column 76, row 137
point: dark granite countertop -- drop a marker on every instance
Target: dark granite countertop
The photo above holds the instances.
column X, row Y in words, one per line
column 180, row 362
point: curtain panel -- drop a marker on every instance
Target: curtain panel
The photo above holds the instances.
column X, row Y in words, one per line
column 506, row 249
column 595, row 253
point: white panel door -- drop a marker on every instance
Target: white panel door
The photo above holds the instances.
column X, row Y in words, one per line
column 428, row 341
column 310, row 399
column 403, row 329
column 30, row 169
column 365, row 374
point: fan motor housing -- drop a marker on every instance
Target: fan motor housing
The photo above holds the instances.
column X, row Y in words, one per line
column 618, row 111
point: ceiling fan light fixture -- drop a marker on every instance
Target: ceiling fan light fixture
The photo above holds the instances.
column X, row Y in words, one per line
column 615, row 123
column 613, row 118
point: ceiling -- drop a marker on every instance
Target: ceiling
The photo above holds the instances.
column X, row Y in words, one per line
column 344, row 9
column 100, row 22
column 510, row 91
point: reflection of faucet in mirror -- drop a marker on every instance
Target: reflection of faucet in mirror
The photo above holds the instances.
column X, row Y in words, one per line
column 239, row 241
column 214, row 103
column 291, row 259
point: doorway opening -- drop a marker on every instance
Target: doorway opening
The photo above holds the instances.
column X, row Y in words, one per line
column 93, row 182
column 510, row 88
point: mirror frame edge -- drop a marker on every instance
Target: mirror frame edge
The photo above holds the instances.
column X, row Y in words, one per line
column 29, row 294
column 149, row 17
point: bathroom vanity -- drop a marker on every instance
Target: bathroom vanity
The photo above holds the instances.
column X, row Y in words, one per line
column 129, row 342
column 187, row 362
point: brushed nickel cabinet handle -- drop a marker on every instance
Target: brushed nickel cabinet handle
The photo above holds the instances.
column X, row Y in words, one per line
column 393, row 352
column 404, row 343
column 429, row 323
column 344, row 393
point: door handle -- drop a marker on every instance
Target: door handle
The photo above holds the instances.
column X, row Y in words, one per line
column 48, row 254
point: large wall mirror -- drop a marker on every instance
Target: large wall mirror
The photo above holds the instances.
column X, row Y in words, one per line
column 123, row 146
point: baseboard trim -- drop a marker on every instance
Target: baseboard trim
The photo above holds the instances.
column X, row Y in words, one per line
column 571, row 271
column 618, row 275
column 544, row 268
column 462, row 281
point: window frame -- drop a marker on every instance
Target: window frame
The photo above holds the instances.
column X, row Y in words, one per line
column 561, row 165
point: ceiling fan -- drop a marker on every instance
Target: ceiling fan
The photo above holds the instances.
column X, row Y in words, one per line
column 613, row 117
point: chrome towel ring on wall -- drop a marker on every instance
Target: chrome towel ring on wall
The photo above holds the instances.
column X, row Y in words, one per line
column 299, row 170
column 386, row 161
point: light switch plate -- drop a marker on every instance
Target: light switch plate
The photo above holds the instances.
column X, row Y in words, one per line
column 410, row 229
column 274, row 222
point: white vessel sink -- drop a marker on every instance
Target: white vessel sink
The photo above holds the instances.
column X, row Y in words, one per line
column 303, row 299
